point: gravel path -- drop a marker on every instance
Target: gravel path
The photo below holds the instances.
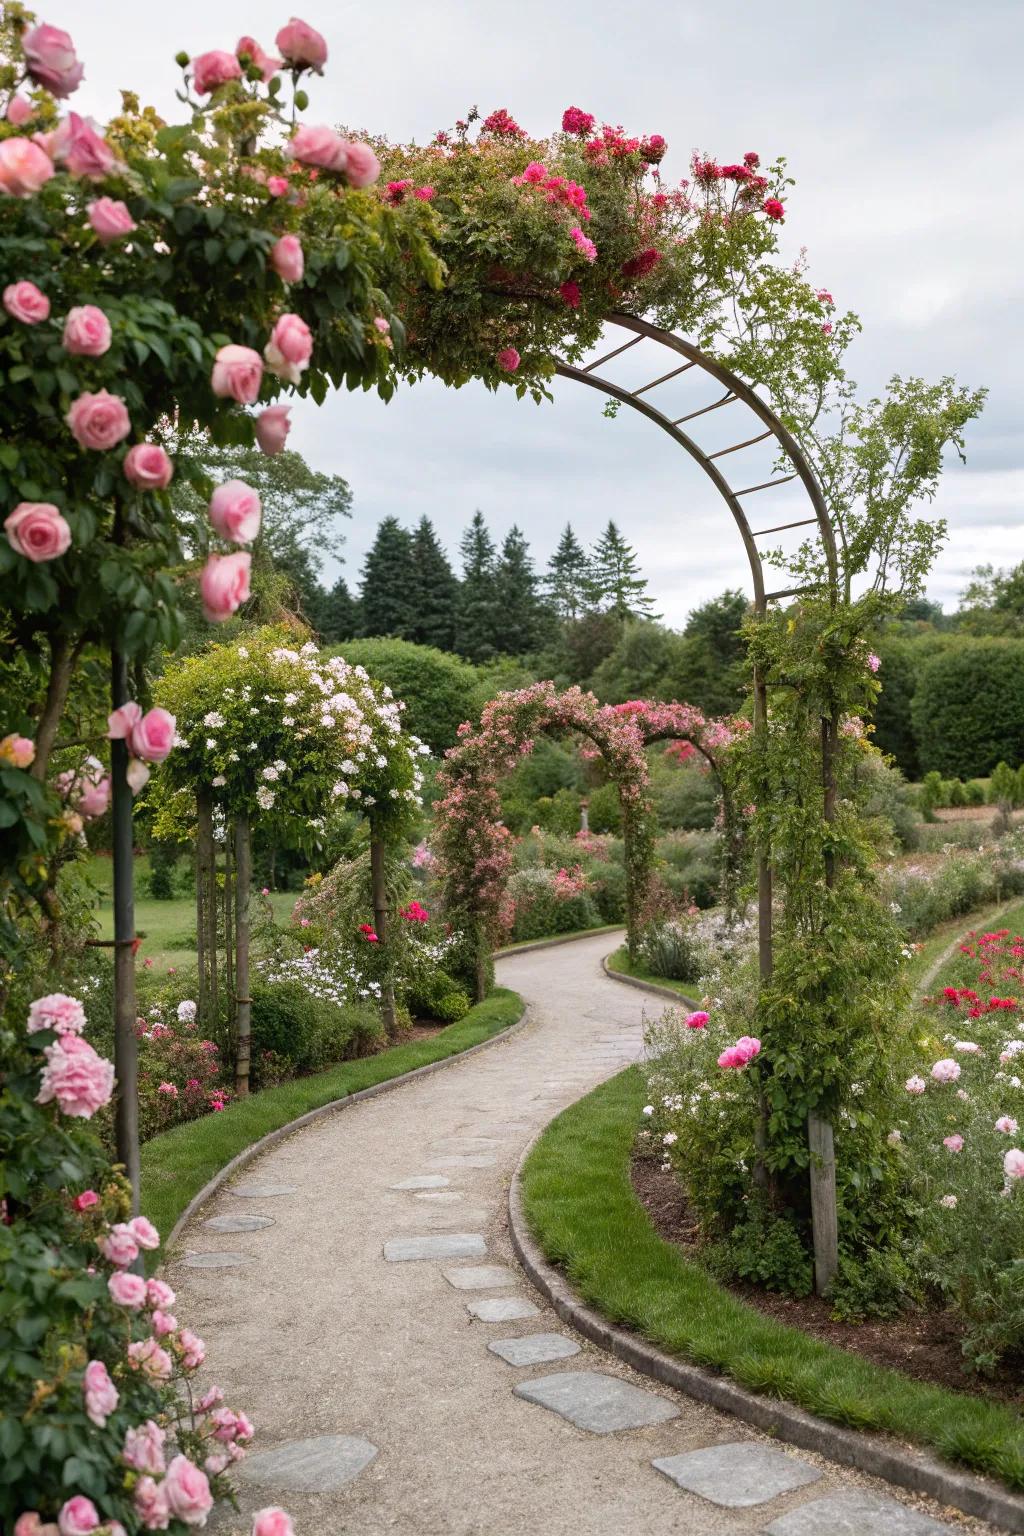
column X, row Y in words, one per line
column 381, row 1362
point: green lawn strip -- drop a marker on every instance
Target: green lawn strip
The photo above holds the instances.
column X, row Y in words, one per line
column 582, row 1209
column 620, row 961
column 178, row 1163
column 961, row 970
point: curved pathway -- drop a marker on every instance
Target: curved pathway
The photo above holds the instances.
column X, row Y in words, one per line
column 379, row 1406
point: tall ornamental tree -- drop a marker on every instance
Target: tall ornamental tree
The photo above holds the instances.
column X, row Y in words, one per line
column 614, row 582
column 515, row 590
column 437, row 590
column 477, row 619
column 388, row 588
column 566, row 578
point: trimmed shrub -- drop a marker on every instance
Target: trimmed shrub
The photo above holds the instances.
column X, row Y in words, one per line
column 605, row 810
column 974, row 792
column 308, row 1031
column 438, row 996
column 438, row 689
column 968, row 707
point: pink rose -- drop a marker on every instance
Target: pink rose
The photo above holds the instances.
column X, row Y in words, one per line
column 946, row 1071
column 98, row 421
column 146, row 1355
column 272, row 428
column 151, row 1504
column 163, row 1323
column 277, row 186
column 289, row 349
column 237, row 374
column 159, row 1294
column 137, row 775
column 51, row 61
column 153, row 736
column 24, row 167
column 127, row 1290
column 123, row 721
column 210, row 1398
column 101, row 1396
column 301, row 46
column 79, row 1080
column 37, row 530
column 86, row 331
column 1013, row 1164
column 362, row 168
column 83, row 150
column 193, row 1349
column 953, row 1143
column 266, row 63
column 23, row 301
column 748, row 1047
column 1007, row 1124
column 508, row 360
column 209, row 70
column 286, row 259
column 318, row 145
column 118, row 1245
column 235, row 511
column 59, row 1012
column 144, row 1232
column 19, row 110
column 77, row 1517
column 144, row 1448
column 85, row 1201
column 18, row 751
column 110, row 220
column 224, row 585
column 272, row 1522
column 148, row 467
column 29, row 1524
column 188, row 1491
column 93, row 798
column 698, row 1020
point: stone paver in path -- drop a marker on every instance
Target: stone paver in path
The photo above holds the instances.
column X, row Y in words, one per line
column 444, row 1196
column 446, row 1216
column 855, row 1512
column 737, row 1475
column 423, row 1181
column 237, row 1223
column 222, row 1260
column 501, row 1309
column 483, row 1277
column 435, row 1245
column 319, row 1465
column 535, row 1349
column 262, row 1191
column 473, row 1160
column 598, row 1402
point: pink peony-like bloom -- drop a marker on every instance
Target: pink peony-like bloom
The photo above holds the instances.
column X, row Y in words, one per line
column 83, row 150
column 17, row 751
column 698, row 1020
column 85, row 1201
column 268, row 64
column 301, row 46
column 127, row 1290
column 584, row 244
column 152, row 736
column 188, row 1491
column 277, row 186
column 159, row 1294
column 213, row 69
column 224, row 585
column 953, row 1143
column 915, row 1084
column 272, row 428
column 1013, row 1164
column 37, row 530
column 19, row 110
column 110, row 220
column 570, row 292
column 144, row 1232
column 93, row 796
column 289, row 349
column 237, row 374
column 272, row 1521
column 30, row 1524
column 162, row 1323
column 316, row 144
column 146, row 1355
column 59, row 1012
column 101, row 1396
column 946, row 1071
column 144, row 1448
column 151, row 1506
column 773, row 208
column 24, row 167
column 193, row 1349
column 508, row 359
column 286, row 258
column 98, row 421
column 51, row 61
column 23, row 301
column 80, row 1081
column 148, row 466
column 1007, row 1124
column 118, row 1245
column 362, row 168
column 78, row 1517
column 575, row 120
column 123, row 721
column 86, row 331
column 235, row 511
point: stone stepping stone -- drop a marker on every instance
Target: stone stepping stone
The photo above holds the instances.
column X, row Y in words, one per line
column 501, row 1309
column 603, row 1404
column 237, row 1223
column 319, row 1465
column 460, row 1217
column 262, row 1191
column 737, row 1475
column 458, row 1160
column 423, row 1181
column 483, row 1277
column 534, row 1349
column 445, row 1196
column 855, row 1513
column 223, row 1260
column 435, row 1245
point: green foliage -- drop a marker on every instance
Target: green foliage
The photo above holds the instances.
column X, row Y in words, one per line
column 931, row 795
column 389, row 590
column 605, row 813
column 478, row 623
column 614, row 584
column 309, row 1032
column 437, row 689
column 1003, row 787
column 968, row 707
column 541, row 910
column 876, row 1283
column 672, row 949
column 974, row 793
column 765, row 1250
column 433, row 622
column 436, row 995
column 957, row 793
column 566, row 580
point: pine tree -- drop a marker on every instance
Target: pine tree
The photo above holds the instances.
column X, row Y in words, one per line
column 614, row 584
column 436, row 590
column 566, row 580
column 478, row 618
column 520, row 612
column 389, row 587
column 337, row 613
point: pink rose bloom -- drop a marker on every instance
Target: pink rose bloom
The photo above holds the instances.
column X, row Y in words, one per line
column 144, row 1448
column 272, row 428
column 915, row 1084
column 210, row 1398
column 79, row 1080
column 946, row 1071
column 224, row 585
column 320, row 146
column 272, row 1522
column 151, row 1505
column 37, row 530
column 110, row 220
column 98, row 421
column 749, row 1047
column 163, row 1323
column 730, row 1057
column 289, row 349
column 138, row 777
column 86, row 331
column 78, row 1517
column 286, row 258
column 85, row 1201
column 153, row 736
column 94, row 798
column 277, row 186
column 362, row 168
column 101, row 1396
column 123, row 721
column 127, row 1290
column 235, row 511
column 193, row 1349
column 159, row 1294
column 267, row 64
column 237, row 374
column 59, row 1012
column 209, row 70
column 119, row 1245
column 23, row 301
column 29, row 1524
column 18, row 751
column 144, row 1232
column 146, row 1355
column 51, row 61
column 83, row 150
column 188, row 1491
column 148, row 467
column 301, row 46
column 508, row 360
column 1013, row 1164
column 1007, row 1124
column 19, row 110
column 24, row 167
column 953, row 1143
column 698, row 1020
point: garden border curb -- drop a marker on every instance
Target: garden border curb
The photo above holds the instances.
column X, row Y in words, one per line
column 646, row 986
column 915, row 1471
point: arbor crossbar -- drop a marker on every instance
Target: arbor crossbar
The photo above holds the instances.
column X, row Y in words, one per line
column 726, row 399
column 767, row 484
column 609, row 355
column 672, row 373
column 802, row 522
column 748, row 443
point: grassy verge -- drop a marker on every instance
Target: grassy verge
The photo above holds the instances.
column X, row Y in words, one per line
column 582, row 1209
column 960, row 970
column 176, row 1164
column 621, row 962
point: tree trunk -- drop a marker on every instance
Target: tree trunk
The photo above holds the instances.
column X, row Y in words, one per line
column 62, row 664
column 481, row 962
column 380, row 923
column 126, row 1110
column 243, row 1002
column 632, row 916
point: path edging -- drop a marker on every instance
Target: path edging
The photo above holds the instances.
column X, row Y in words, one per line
column 510, row 952
column 916, row 1471
column 647, row 986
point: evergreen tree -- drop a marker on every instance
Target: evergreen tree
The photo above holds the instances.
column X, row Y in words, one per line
column 478, row 617
column 614, row 584
column 521, row 614
column 337, row 614
column 566, row 580
column 436, row 590
column 389, row 585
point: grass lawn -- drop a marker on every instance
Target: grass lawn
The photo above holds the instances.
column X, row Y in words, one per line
column 620, row 961
column 176, row 1164
column 960, row 970
column 582, row 1209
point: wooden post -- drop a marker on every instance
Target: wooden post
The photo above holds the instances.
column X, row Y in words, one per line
column 206, row 911
column 824, row 1213
column 126, row 1109
column 764, row 930
column 243, row 1002
column 380, row 923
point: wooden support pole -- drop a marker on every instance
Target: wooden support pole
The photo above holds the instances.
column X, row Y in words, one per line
column 824, row 1213
column 380, row 922
column 243, row 1002
column 126, row 1108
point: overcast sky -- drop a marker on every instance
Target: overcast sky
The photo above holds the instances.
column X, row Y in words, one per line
column 902, row 122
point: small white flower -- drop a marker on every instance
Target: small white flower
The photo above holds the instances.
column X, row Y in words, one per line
column 218, row 781
column 948, row 1202
column 214, row 719
column 243, row 653
column 670, row 1138
column 264, row 798
column 894, row 1138
column 648, row 1109
column 287, row 719
column 270, row 774
column 210, row 744
column 232, row 757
